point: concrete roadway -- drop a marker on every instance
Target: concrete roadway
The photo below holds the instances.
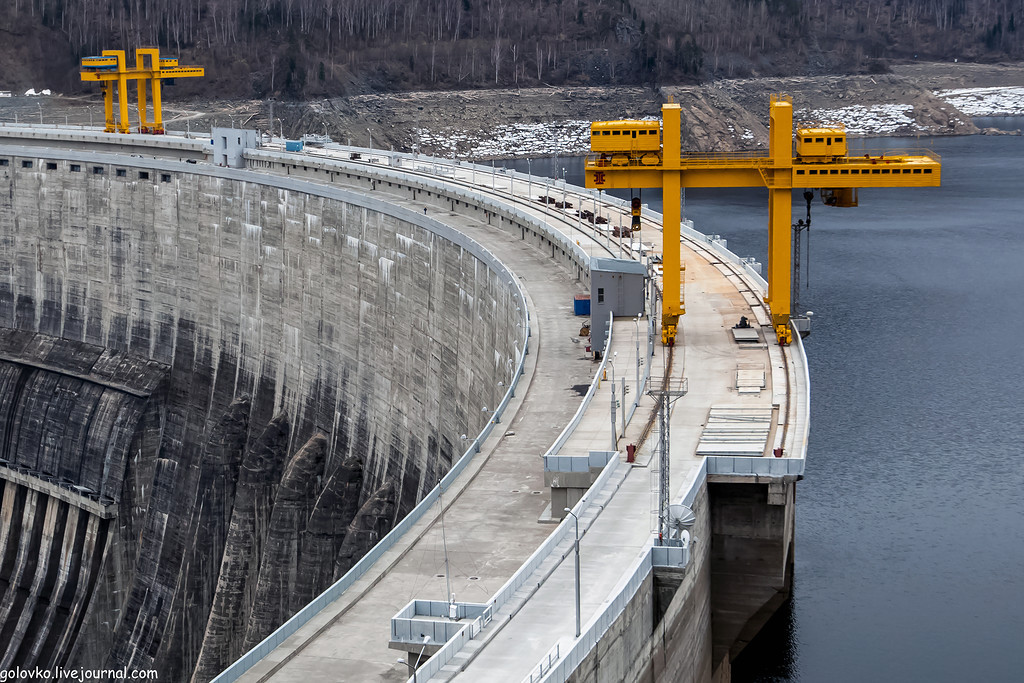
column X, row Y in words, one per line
column 491, row 527
column 491, row 524
column 625, row 528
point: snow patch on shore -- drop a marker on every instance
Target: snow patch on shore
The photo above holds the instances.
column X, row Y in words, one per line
column 570, row 137
column 1001, row 101
column 876, row 119
column 562, row 138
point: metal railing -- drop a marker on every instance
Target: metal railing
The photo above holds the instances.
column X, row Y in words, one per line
column 656, row 556
column 431, row 617
column 578, row 463
column 648, row 354
column 450, row 189
column 599, row 625
column 564, row 531
column 591, row 391
column 505, row 593
column 545, row 665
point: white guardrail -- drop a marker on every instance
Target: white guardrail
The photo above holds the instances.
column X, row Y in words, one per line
column 440, row 658
column 656, row 556
column 450, row 189
column 591, row 390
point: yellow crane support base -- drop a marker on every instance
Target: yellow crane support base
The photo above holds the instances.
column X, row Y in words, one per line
column 111, row 70
column 668, row 329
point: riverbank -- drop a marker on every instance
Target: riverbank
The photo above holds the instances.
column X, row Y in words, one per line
column 913, row 99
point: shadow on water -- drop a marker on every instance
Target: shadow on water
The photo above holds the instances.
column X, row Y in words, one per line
column 771, row 657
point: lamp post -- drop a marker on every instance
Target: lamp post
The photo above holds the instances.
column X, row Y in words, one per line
column 622, row 384
column 611, row 364
column 577, row 521
column 529, row 181
column 419, row 133
column 636, row 327
column 370, row 134
column 415, row 670
column 572, row 234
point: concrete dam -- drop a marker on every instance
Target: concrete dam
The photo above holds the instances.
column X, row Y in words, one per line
column 217, row 394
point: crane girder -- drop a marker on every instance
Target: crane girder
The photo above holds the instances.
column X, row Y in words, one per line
column 632, row 164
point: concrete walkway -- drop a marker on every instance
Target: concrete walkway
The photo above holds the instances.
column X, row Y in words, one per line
column 616, row 536
column 491, row 526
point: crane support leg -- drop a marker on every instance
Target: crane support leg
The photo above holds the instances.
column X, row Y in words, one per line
column 672, row 294
column 158, row 114
column 123, row 125
column 672, row 304
column 143, row 106
column 108, row 106
column 780, row 260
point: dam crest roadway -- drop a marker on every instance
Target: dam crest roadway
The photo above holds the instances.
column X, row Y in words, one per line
column 738, row 421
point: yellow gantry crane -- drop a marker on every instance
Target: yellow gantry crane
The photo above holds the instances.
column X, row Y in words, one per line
column 629, row 154
column 111, row 70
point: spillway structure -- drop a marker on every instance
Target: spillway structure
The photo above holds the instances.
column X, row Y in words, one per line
column 216, row 394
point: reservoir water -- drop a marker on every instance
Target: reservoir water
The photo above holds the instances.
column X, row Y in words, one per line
column 910, row 521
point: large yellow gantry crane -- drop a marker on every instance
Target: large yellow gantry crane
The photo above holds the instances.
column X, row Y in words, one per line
column 111, row 70
column 626, row 155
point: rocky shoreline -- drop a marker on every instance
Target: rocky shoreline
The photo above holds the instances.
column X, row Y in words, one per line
column 916, row 99
column 912, row 100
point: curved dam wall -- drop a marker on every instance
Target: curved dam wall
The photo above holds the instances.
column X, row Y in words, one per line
column 215, row 396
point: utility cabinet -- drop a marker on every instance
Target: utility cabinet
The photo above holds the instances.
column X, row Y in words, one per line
column 617, row 286
column 229, row 145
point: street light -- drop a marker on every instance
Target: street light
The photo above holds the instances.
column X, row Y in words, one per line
column 529, row 182
column 611, row 364
column 415, row 670
column 572, row 234
column 579, row 214
column 636, row 328
column 419, row 133
column 577, row 520
column 371, row 139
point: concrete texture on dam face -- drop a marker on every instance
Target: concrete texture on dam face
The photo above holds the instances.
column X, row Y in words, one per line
column 215, row 396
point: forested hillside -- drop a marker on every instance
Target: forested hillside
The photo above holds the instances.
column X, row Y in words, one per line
column 311, row 48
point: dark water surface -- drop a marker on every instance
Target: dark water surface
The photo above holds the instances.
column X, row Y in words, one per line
column 910, row 522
